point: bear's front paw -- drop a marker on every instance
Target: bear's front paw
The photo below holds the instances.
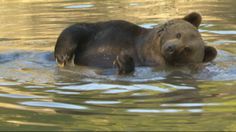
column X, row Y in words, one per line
column 63, row 60
column 125, row 64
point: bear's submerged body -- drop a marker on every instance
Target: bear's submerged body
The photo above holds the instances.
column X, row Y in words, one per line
column 110, row 39
column 126, row 45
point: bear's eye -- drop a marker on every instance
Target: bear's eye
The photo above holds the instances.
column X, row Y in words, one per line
column 187, row 49
column 178, row 35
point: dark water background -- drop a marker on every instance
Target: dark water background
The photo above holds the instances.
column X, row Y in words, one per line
column 37, row 95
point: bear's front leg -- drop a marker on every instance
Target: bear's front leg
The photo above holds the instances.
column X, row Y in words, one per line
column 125, row 64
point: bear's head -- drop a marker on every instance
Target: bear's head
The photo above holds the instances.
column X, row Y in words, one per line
column 181, row 42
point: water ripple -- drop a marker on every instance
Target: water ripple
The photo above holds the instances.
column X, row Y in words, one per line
column 96, row 102
column 179, row 87
column 220, row 32
column 97, row 86
column 18, row 96
column 53, row 105
column 148, row 25
column 163, row 110
column 191, row 104
column 79, row 6
column 62, row 92
column 32, row 87
column 9, row 83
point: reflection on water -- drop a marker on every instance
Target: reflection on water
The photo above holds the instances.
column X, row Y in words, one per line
column 163, row 111
column 79, row 6
column 53, row 105
column 37, row 95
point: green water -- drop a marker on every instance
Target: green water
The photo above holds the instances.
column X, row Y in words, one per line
column 37, row 95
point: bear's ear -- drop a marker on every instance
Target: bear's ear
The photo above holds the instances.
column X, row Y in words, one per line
column 194, row 18
column 210, row 54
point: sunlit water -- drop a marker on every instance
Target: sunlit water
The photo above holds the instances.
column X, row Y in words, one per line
column 37, row 95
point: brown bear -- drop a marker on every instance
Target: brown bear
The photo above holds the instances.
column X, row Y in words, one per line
column 126, row 45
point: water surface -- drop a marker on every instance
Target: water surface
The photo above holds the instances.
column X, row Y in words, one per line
column 35, row 94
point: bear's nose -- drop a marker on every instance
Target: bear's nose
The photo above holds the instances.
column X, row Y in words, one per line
column 170, row 49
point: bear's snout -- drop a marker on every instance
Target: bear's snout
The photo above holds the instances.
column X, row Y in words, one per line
column 174, row 52
column 170, row 49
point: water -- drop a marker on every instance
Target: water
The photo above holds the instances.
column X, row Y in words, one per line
column 37, row 95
